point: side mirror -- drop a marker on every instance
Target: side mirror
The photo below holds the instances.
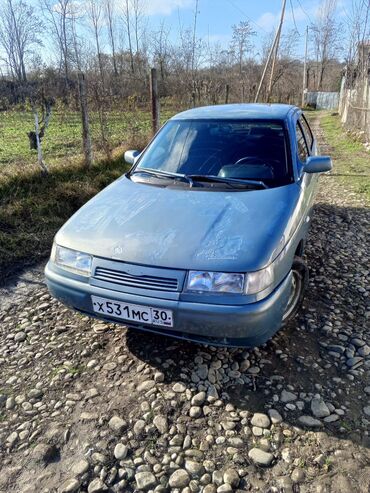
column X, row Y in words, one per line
column 318, row 164
column 131, row 156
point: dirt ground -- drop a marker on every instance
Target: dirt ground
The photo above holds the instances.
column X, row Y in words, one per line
column 87, row 406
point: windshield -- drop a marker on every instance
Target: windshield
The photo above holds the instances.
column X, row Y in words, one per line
column 251, row 150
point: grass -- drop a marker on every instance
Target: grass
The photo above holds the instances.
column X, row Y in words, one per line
column 351, row 160
column 32, row 207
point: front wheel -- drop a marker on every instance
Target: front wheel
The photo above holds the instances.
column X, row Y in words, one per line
column 298, row 288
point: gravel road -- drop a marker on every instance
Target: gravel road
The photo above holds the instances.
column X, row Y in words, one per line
column 87, row 406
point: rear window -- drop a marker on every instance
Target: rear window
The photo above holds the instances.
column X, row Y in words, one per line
column 254, row 149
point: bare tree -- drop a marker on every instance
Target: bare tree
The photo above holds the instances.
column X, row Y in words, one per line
column 60, row 19
column 20, row 30
column 241, row 42
column 95, row 15
column 127, row 22
column 326, row 36
column 109, row 10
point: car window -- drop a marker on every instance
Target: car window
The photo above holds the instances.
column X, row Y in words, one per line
column 307, row 131
column 251, row 149
column 301, row 144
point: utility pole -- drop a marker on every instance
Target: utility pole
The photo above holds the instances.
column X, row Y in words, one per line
column 154, row 100
column 305, row 69
column 273, row 51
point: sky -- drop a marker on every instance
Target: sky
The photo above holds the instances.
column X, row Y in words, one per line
column 216, row 17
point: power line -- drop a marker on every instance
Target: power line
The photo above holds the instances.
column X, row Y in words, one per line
column 295, row 24
column 247, row 16
column 304, row 11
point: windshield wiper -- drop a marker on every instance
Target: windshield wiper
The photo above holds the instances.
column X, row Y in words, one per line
column 220, row 179
column 164, row 174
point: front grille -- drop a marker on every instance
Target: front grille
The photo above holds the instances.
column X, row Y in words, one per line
column 134, row 281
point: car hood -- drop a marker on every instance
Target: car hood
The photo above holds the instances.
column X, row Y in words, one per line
column 184, row 228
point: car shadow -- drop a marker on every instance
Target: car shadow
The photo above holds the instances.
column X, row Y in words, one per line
column 297, row 358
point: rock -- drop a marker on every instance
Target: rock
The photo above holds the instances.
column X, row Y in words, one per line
column 309, row 421
column 287, row 396
column 120, row 451
column 210, row 488
column 117, row 424
column 158, row 377
column 69, row 486
column 298, row 475
column 275, row 416
column 145, row 480
column 160, row 422
column 179, row 479
column 139, row 427
column 195, row 412
column 194, row 468
column 198, row 399
column 225, row 488
column 145, row 386
column 179, row 387
column 20, row 337
column 80, row 467
column 10, row 403
column 231, row 477
column 260, row 420
column 260, row 457
column 96, row 486
column 319, row 408
column 367, row 410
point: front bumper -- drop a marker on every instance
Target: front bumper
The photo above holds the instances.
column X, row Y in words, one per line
column 227, row 325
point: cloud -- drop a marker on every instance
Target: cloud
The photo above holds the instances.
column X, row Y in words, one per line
column 166, row 7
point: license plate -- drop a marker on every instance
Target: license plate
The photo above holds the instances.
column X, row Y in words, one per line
column 133, row 313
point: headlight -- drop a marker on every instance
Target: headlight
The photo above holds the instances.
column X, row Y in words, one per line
column 77, row 262
column 259, row 280
column 215, row 282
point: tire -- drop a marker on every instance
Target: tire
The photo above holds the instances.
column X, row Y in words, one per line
column 299, row 286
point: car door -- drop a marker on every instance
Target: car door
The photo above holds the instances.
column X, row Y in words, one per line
column 306, row 146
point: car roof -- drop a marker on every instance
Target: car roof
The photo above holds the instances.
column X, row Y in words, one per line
column 238, row 112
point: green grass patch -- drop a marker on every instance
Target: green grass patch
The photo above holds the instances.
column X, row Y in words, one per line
column 33, row 207
column 351, row 160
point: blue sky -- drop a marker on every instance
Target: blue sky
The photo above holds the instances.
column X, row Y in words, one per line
column 216, row 17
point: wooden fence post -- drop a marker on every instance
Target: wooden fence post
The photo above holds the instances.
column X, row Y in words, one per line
column 227, row 94
column 154, row 99
column 86, row 139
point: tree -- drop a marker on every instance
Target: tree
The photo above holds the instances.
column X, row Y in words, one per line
column 60, row 20
column 241, row 42
column 326, row 37
column 109, row 11
column 20, row 31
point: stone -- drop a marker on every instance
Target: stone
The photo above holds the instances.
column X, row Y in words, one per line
column 195, row 412
column 318, row 408
column 117, row 424
column 225, row 488
column 275, row 416
column 287, row 396
column 120, row 451
column 367, row 410
column 231, row 477
column 309, row 421
column 161, row 423
column 210, row 488
column 179, row 479
column 297, row 475
column 260, row 457
column 44, row 453
column 20, row 337
column 179, row 387
column 80, row 467
column 260, row 420
column 69, row 486
column 145, row 386
column 139, row 427
column 97, row 486
column 194, row 468
column 198, row 399
column 145, row 480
